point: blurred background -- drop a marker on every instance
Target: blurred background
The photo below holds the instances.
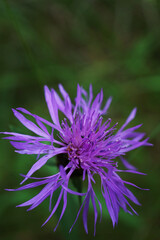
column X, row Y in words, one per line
column 113, row 44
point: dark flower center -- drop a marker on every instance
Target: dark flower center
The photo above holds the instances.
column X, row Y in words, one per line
column 62, row 159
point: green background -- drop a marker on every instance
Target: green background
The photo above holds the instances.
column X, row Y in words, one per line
column 113, row 44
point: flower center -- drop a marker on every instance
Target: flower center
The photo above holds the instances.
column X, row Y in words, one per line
column 62, row 159
column 74, row 155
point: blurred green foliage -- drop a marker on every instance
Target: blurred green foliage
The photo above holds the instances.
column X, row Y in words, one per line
column 115, row 45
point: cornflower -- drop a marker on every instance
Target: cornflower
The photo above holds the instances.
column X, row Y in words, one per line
column 85, row 146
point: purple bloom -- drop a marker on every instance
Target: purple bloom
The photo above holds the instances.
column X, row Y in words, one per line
column 85, row 146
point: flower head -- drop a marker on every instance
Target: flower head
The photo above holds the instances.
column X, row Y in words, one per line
column 85, row 146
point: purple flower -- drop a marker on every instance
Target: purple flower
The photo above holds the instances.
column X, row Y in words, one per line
column 85, row 146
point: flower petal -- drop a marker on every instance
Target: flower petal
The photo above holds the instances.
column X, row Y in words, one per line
column 129, row 119
column 28, row 124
